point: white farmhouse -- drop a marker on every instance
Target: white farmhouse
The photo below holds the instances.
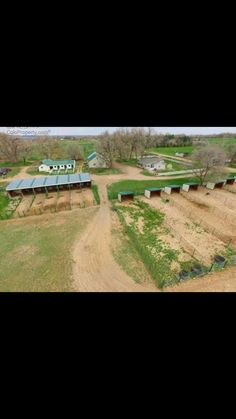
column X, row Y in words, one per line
column 152, row 163
column 55, row 165
column 96, row 160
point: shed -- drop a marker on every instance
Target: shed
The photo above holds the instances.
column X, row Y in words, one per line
column 149, row 192
column 190, row 186
column 172, row 188
column 125, row 196
column 230, row 181
column 211, row 185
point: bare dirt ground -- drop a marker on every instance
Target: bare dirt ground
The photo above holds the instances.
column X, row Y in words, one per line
column 63, row 201
column 37, row 206
column 205, row 218
column 24, row 206
column 224, row 281
column 194, row 239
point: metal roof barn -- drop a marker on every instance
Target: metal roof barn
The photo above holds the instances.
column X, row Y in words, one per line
column 49, row 183
column 190, row 186
column 172, row 188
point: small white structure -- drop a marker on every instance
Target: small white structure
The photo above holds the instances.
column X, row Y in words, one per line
column 152, row 163
column 187, row 186
column 56, row 165
column 172, row 188
column 211, row 185
column 96, row 160
column 152, row 192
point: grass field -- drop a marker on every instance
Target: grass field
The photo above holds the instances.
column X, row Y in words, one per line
column 103, row 171
column 4, row 201
column 138, row 186
column 35, row 255
column 18, row 164
column 171, row 150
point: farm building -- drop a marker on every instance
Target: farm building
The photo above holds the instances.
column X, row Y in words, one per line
column 190, row 186
column 152, row 163
column 230, row 181
column 172, row 189
column 125, row 196
column 48, row 184
column 55, row 165
column 211, row 185
column 149, row 192
column 96, row 160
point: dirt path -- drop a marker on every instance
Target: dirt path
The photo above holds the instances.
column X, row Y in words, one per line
column 95, row 268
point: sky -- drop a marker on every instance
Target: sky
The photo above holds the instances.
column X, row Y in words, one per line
column 97, row 130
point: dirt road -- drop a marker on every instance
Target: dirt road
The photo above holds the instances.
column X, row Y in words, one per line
column 95, row 268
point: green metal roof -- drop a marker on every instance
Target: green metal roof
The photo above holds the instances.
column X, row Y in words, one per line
column 174, row 186
column 153, row 189
column 126, row 193
column 91, row 156
column 57, row 162
column 192, row 183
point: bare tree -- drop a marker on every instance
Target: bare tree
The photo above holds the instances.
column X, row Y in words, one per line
column 9, row 148
column 25, row 148
column 74, row 152
column 50, row 148
column 208, row 163
column 107, row 147
column 231, row 153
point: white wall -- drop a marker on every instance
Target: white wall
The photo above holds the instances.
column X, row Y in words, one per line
column 97, row 162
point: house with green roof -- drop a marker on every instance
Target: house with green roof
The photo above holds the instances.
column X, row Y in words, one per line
column 57, row 165
column 95, row 160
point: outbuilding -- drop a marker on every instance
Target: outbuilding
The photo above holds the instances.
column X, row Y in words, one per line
column 96, row 160
column 172, row 189
column 152, row 163
column 230, row 181
column 125, row 196
column 150, row 192
column 219, row 185
column 48, row 184
column 190, row 187
column 57, row 165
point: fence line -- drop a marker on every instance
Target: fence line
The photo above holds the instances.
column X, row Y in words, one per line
column 203, row 223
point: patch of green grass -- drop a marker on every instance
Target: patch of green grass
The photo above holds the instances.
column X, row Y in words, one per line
column 18, row 164
column 147, row 173
column 7, row 205
column 35, row 255
column 129, row 162
column 171, row 150
column 138, row 186
column 104, row 171
column 96, row 194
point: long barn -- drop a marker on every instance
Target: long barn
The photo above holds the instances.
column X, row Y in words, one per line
column 48, row 184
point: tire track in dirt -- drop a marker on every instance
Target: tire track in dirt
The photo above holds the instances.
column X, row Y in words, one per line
column 95, row 268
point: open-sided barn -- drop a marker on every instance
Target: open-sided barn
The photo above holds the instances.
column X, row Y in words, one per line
column 211, row 185
column 172, row 188
column 48, row 184
column 125, row 196
column 190, row 187
column 149, row 192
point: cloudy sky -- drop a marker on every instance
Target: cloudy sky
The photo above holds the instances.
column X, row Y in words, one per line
column 98, row 130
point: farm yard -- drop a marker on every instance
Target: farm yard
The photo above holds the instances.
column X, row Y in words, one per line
column 166, row 242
